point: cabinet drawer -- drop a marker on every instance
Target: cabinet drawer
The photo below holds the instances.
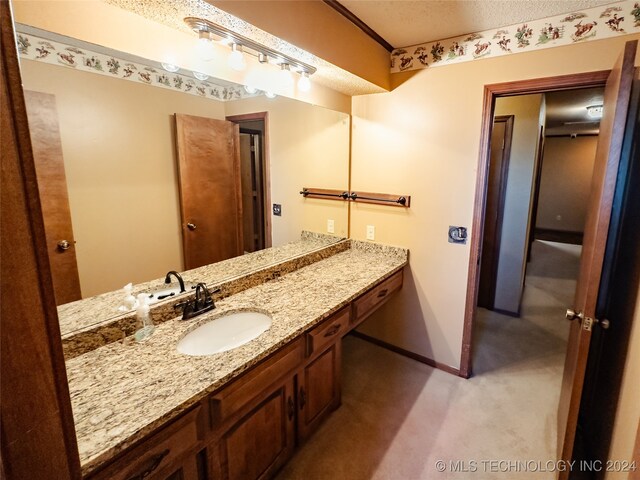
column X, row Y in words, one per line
column 233, row 398
column 374, row 298
column 328, row 331
column 158, row 454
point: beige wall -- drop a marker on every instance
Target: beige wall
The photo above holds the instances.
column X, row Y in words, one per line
column 565, row 182
column 97, row 22
column 118, row 147
column 515, row 222
column 308, row 147
column 627, row 419
column 422, row 139
column 307, row 24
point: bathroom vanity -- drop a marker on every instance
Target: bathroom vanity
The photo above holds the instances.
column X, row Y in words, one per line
column 144, row 410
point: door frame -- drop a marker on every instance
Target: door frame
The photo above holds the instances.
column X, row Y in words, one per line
column 491, row 92
column 266, row 187
column 508, row 120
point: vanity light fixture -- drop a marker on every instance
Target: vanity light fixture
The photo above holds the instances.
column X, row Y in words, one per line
column 304, row 84
column 240, row 45
column 236, row 59
column 170, row 67
column 595, row 111
column 200, row 76
column 205, row 48
column 286, row 77
column 269, row 94
column 250, row 90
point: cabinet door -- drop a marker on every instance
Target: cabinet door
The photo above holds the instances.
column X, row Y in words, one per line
column 319, row 390
column 259, row 443
column 187, row 470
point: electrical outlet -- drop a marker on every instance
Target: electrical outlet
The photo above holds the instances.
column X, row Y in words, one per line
column 331, row 226
column 277, row 209
column 371, row 232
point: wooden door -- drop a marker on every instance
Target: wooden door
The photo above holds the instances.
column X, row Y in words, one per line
column 54, row 198
column 258, row 444
column 36, row 422
column 612, row 127
column 501, row 135
column 210, row 189
column 319, row 390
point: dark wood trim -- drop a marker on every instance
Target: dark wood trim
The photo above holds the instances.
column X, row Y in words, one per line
column 491, row 92
column 406, row 353
column 346, row 13
column 560, row 236
column 264, row 116
column 635, row 457
column 37, row 428
column 388, row 199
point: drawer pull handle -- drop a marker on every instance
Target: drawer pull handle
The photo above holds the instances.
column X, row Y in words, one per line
column 153, row 464
column 291, row 408
column 303, row 398
column 333, row 330
column 382, row 293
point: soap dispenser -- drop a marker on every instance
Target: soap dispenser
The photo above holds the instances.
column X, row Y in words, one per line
column 129, row 299
column 142, row 314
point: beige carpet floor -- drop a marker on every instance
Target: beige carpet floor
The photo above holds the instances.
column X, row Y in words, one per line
column 399, row 417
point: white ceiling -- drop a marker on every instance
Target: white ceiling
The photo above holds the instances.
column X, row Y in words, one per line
column 404, row 23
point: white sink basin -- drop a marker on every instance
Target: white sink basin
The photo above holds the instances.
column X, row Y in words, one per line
column 224, row 333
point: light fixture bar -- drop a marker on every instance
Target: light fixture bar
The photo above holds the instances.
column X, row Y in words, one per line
column 201, row 25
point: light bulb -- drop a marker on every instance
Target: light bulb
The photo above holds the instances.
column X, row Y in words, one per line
column 269, row 94
column 169, row 67
column 286, row 78
column 236, row 58
column 200, row 76
column 250, row 90
column 205, row 48
column 304, row 84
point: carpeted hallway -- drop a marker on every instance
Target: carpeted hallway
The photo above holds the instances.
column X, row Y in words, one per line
column 399, row 417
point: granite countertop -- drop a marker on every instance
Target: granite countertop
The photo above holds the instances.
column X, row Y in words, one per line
column 88, row 312
column 125, row 390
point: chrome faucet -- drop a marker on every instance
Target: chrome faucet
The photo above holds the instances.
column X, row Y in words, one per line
column 167, row 279
column 202, row 302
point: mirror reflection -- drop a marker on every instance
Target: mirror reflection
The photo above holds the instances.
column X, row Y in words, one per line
column 139, row 176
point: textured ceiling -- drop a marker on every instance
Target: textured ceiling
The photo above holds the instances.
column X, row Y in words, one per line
column 403, row 23
column 172, row 13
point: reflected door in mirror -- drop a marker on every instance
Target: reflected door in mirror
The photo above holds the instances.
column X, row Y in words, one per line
column 210, row 189
column 54, row 198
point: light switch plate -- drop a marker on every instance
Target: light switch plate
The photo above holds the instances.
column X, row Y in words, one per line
column 331, row 226
column 371, row 232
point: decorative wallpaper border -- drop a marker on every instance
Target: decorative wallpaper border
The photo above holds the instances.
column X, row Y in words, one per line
column 597, row 23
column 43, row 50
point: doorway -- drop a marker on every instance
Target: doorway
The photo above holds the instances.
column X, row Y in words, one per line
column 256, row 196
column 617, row 124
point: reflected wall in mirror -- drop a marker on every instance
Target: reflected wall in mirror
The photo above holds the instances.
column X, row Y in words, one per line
column 118, row 147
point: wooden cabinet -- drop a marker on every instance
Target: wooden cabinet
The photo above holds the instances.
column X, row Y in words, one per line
column 319, row 379
column 171, row 453
column 318, row 389
column 251, row 427
column 261, row 441
column 370, row 301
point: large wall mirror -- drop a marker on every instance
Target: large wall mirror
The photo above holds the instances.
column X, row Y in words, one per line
column 121, row 161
